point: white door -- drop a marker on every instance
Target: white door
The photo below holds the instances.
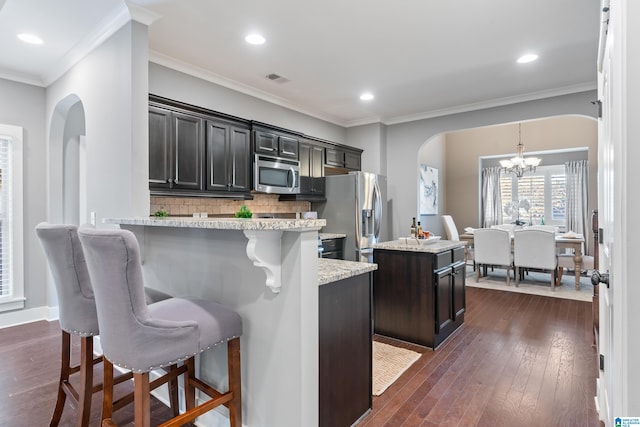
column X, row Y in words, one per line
column 606, row 212
column 619, row 204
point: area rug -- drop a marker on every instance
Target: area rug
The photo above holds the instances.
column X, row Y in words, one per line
column 389, row 362
column 534, row 283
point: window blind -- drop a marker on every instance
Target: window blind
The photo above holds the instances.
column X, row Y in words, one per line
column 5, row 216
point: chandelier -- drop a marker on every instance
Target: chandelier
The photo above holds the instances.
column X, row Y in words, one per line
column 518, row 165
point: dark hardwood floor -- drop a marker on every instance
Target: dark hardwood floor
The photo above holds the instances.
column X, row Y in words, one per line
column 29, row 372
column 519, row 360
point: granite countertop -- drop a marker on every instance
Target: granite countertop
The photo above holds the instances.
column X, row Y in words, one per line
column 435, row 247
column 326, row 236
column 332, row 270
column 255, row 224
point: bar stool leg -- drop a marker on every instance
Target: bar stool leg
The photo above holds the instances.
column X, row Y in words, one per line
column 64, row 378
column 86, row 380
column 189, row 389
column 142, row 400
column 235, row 382
column 173, row 393
column 107, row 390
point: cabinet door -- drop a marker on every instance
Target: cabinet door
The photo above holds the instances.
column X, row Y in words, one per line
column 352, row 160
column 288, row 147
column 305, row 159
column 443, row 296
column 265, row 142
column 239, row 161
column 459, row 303
column 317, row 162
column 217, row 136
column 159, row 148
column 334, row 157
column 345, row 359
column 188, row 151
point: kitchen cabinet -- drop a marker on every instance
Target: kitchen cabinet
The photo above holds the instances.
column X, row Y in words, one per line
column 345, row 351
column 228, row 162
column 419, row 296
column 343, row 158
column 311, row 169
column 275, row 143
column 176, row 149
column 197, row 152
column 333, row 248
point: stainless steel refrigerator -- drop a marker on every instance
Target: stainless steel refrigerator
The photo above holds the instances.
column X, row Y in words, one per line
column 356, row 206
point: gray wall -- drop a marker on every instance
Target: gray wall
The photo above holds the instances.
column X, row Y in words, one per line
column 24, row 105
column 176, row 85
column 404, row 141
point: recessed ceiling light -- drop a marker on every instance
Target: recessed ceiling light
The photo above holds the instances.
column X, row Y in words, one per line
column 530, row 57
column 367, row 96
column 254, row 38
column 30, row 38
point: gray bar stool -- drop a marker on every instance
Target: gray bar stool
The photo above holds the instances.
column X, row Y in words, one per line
column 142, row 338
column 77, row 311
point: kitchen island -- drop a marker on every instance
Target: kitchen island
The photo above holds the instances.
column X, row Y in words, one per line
column 268, row 271
column 419, row 290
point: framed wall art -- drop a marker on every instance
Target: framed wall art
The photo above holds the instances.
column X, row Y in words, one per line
column 428, row 190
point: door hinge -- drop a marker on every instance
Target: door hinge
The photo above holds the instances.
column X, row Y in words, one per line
column 602, row 362
column 601, row 235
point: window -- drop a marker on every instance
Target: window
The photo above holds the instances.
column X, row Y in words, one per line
column 544, row 190
column 11, row 266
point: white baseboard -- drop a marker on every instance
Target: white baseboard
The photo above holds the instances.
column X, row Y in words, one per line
column 20, row 317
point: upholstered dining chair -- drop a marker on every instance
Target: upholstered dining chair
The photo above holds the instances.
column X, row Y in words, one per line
column 168, row 332
column 493, row 247
column 535, row 249
column 77, row 313
column 452, row 234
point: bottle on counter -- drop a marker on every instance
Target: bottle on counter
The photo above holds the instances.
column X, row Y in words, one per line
column 420, row 234
column 414, row 228
column 542, row 220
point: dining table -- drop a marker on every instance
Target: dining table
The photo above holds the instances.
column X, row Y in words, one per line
column 563, row 241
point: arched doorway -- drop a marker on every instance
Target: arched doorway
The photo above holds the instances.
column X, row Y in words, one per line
column 67, row 160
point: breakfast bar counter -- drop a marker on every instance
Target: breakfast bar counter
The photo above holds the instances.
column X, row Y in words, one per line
column 269, row 272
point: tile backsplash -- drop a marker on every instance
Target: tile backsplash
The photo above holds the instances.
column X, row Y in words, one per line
column 260, row 205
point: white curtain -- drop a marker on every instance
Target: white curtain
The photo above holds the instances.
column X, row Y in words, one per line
column 577, row 198
column 491, row 201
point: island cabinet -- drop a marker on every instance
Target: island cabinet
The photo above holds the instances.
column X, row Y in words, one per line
column 345, row 349
column 419, row 291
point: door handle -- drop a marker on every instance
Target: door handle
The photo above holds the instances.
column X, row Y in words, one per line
column 598, row 277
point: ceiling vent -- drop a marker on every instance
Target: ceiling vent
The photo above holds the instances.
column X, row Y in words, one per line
column 277, row 78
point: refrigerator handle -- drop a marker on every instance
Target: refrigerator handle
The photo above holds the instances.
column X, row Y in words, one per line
column 377, row 210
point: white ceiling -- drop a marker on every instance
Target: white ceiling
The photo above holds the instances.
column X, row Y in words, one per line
column 420, row 58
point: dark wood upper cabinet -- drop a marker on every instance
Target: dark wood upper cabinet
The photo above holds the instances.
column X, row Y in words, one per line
column 275, row 143
column 176, row 149
column 159, row 147
column 228, row 157
column 343, row 158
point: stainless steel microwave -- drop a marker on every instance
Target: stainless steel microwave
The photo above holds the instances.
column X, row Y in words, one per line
column 276, row 175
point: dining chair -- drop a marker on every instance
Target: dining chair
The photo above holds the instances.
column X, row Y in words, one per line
column 168, row 332
column 77, row 316
column 452, row 234
column 508, row 227
column 551, row 228
column 535, row 249
column 493, row 247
